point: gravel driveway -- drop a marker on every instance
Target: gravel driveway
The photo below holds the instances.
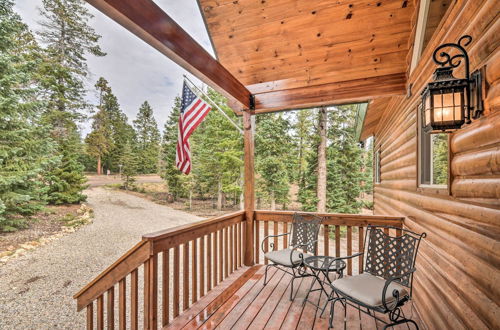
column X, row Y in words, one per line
column 36, row 289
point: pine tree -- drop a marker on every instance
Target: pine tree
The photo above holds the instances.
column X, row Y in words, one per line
column 99, row 139
column 272, row 148
column 130, row 164
column 217, row 151
column 174, row 178
column 344, row 162
column 25, row 148
column 148, row 139
column 69, row 40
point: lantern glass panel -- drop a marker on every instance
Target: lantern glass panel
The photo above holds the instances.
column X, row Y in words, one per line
column 427, row 110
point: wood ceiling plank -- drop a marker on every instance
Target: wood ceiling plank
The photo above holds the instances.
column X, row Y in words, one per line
column 309, row 27
column 343, row 47
column 227, row 19
column 348, row 73
column 150, row 23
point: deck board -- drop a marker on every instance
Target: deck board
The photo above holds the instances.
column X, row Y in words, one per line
column 243, row 302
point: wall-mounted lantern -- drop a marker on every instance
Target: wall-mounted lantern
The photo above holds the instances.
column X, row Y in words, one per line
column 449, row 102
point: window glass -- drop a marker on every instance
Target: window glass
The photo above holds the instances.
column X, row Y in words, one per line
column 377, row 166
column 433, row 157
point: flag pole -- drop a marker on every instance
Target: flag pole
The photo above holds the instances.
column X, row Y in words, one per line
column 215, row 104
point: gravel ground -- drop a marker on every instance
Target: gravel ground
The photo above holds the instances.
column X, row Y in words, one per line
column 36, row 290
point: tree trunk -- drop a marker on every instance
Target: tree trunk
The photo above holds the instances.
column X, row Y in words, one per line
column 321, row 185
column 273, row 201
column 99, row 165
column 190, row 199
column 219, row 196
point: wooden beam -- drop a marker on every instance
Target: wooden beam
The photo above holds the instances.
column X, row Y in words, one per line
column 352, row 91
column 249, row 189
column 150, row 23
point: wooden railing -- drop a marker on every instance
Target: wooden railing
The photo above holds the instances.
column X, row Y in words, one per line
column 341, row 234
column 182, row 264
column 174, row 268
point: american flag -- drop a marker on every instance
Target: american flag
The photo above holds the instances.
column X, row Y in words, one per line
column 193, row 111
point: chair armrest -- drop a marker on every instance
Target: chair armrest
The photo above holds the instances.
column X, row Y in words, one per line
column 395, row 293
column 301, row 255
column 349, row 257
column 272, row 243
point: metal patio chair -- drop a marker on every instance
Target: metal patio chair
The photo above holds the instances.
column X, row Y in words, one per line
column 386, row 283
column 303, row 243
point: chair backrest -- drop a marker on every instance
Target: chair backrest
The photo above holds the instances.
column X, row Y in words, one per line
column 305, row 230
column 388, row 256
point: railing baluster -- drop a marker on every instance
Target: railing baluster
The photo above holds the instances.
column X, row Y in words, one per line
column 134, row 297
column 176, row 282
column 257, row 242
column 202, row 266
column 166, row 287
column 185, row 277
column 146, row 293
column 215, row 264
column 90, row 316
column 360, row 249
column 221, row 256
column 110, row 307
column 326, row 238
column 231, row 250
column 226, row 252
column 194, row 273
column 285, row 238
column 100, row 313
column 349, row 250
column 275, row 232
column 337, row 241
column 266, row 246
column 209, row 262
column 153, row 292
column 386, row 231
column 399, row 232
column 122, row 304
column 238, row 245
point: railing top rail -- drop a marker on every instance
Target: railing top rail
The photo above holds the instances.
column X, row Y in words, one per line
column 158, row 235
column 333, row 218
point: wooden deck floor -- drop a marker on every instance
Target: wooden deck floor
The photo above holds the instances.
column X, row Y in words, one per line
column 243, row 302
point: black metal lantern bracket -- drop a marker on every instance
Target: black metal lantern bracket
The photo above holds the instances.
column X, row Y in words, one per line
column 474, row 102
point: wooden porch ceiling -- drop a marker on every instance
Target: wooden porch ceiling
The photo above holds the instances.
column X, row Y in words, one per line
column 296, row 54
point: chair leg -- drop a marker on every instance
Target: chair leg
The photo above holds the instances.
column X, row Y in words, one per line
column 291, row 289
column 345, row 316
column 332, row 313
column 265, row 274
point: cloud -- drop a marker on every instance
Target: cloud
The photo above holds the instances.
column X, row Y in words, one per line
column 135, row 70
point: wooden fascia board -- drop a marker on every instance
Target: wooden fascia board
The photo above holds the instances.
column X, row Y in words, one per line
column 354, row 91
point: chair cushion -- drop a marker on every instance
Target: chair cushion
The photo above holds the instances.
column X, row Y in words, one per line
column 282, row 257
column 368, row 288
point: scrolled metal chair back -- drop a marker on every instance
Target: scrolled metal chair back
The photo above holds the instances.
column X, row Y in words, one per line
column 391, row 256
column 305, row 229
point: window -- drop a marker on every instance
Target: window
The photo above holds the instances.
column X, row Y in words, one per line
column 433, row 157
column 377, row 166
column 430, row 14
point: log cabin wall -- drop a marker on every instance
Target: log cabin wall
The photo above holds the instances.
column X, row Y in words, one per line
column 457, row 280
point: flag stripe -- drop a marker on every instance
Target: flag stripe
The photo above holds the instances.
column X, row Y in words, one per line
column 193, row 111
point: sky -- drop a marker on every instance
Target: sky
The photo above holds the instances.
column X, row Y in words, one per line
column 135, row 71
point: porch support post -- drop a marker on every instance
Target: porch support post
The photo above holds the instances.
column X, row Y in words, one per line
column 249, row 189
